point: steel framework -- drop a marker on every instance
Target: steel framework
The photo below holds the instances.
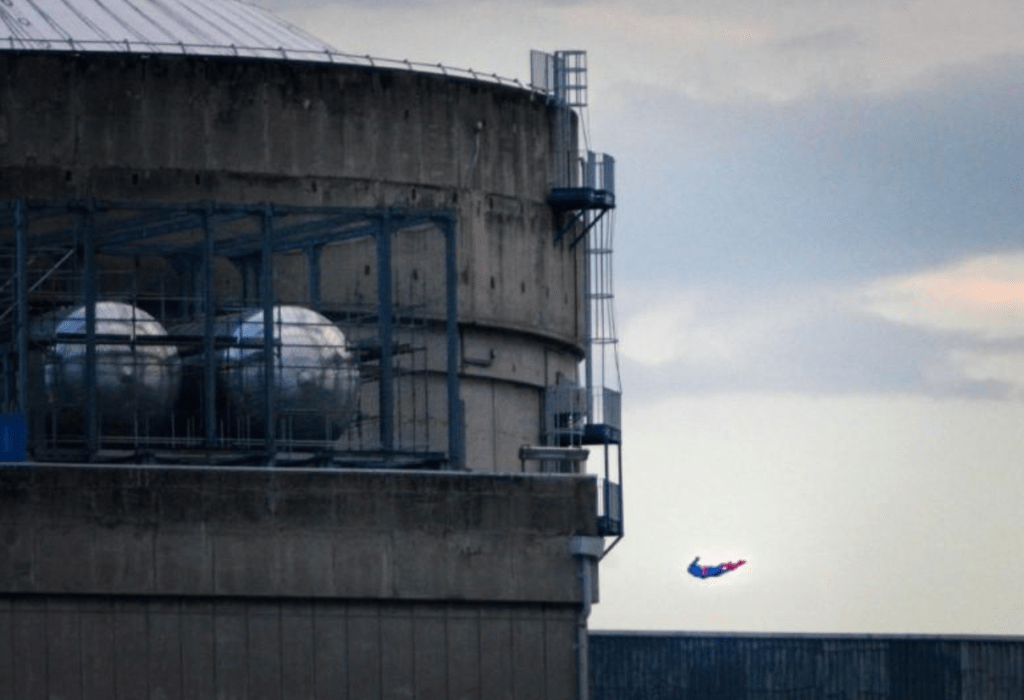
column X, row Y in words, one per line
column 583, row 199
column 51, row 253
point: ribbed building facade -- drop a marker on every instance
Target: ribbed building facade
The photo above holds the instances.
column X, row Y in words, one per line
column 685, row 666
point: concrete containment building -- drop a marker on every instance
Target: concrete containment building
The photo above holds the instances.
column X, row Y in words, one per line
column 309, row 352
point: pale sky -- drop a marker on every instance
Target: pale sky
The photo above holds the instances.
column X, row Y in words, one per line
column 819, row 288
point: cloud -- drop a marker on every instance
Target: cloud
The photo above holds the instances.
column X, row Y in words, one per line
column 976, row 308
column 694, row 328
column 981, row 298
column 825, row 40
column 895, row 336
column 998, row 367
column 799, row 339
column 826, row 190
column 711, row 50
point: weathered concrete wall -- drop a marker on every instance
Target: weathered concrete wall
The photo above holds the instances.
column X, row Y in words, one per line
column 236, row 583
column 110, row 648
column 290, row 122
column 185, row 129
column 323, row 533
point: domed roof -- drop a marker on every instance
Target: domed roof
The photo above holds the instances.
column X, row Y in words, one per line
column 200, row 27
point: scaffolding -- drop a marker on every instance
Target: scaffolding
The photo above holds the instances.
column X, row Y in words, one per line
column 588, row 411
column 138, row 332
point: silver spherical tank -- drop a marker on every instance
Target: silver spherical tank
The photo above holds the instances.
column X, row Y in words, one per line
column 137, row 376
column 316, row 381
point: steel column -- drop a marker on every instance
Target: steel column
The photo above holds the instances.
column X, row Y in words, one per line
column 89, row 295
column 209, row 315
column 313, row 276
column 386, row 326
column 622, row 515
column 588, row 332
column 455, row 434
column 21, row 270
column 267, row 298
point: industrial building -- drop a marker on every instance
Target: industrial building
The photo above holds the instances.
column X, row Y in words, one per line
column 750, row 666
column 308, row 372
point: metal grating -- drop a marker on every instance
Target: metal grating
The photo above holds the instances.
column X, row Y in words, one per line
column 565, row 412
column 571, row 80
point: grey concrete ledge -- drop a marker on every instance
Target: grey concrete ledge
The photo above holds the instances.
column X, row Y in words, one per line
column 240, row 532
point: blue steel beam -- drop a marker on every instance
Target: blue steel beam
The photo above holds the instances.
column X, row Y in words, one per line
column 251, row 245
column 109, row 236
column 586, row 230
column 384, row 323
column 209, row 315
column 456, row 447
column 21, row 270
column 283, row 238
column 267, row 295
column 313, row 277
column 89, row 294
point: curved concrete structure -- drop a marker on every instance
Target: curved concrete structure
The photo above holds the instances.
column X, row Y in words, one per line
column 409, row 210
column 185, row 129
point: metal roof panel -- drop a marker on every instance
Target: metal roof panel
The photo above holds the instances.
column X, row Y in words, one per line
column 213, row 27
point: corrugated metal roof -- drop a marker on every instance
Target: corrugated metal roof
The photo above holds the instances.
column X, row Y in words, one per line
column 202, row 27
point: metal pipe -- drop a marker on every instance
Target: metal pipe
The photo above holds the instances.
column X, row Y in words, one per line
column 545, row 453
column 582, row 634
column 588, row 331
column 588, row 550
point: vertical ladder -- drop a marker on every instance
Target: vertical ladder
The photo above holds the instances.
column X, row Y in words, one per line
column 565, row 75
column 583, row 195
column 571, row 78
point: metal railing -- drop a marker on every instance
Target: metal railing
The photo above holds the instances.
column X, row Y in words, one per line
column 565, row 413
column 595, row 171
column 113, row 356
column 605, row 407
column 279, row 53
column 610, row 509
